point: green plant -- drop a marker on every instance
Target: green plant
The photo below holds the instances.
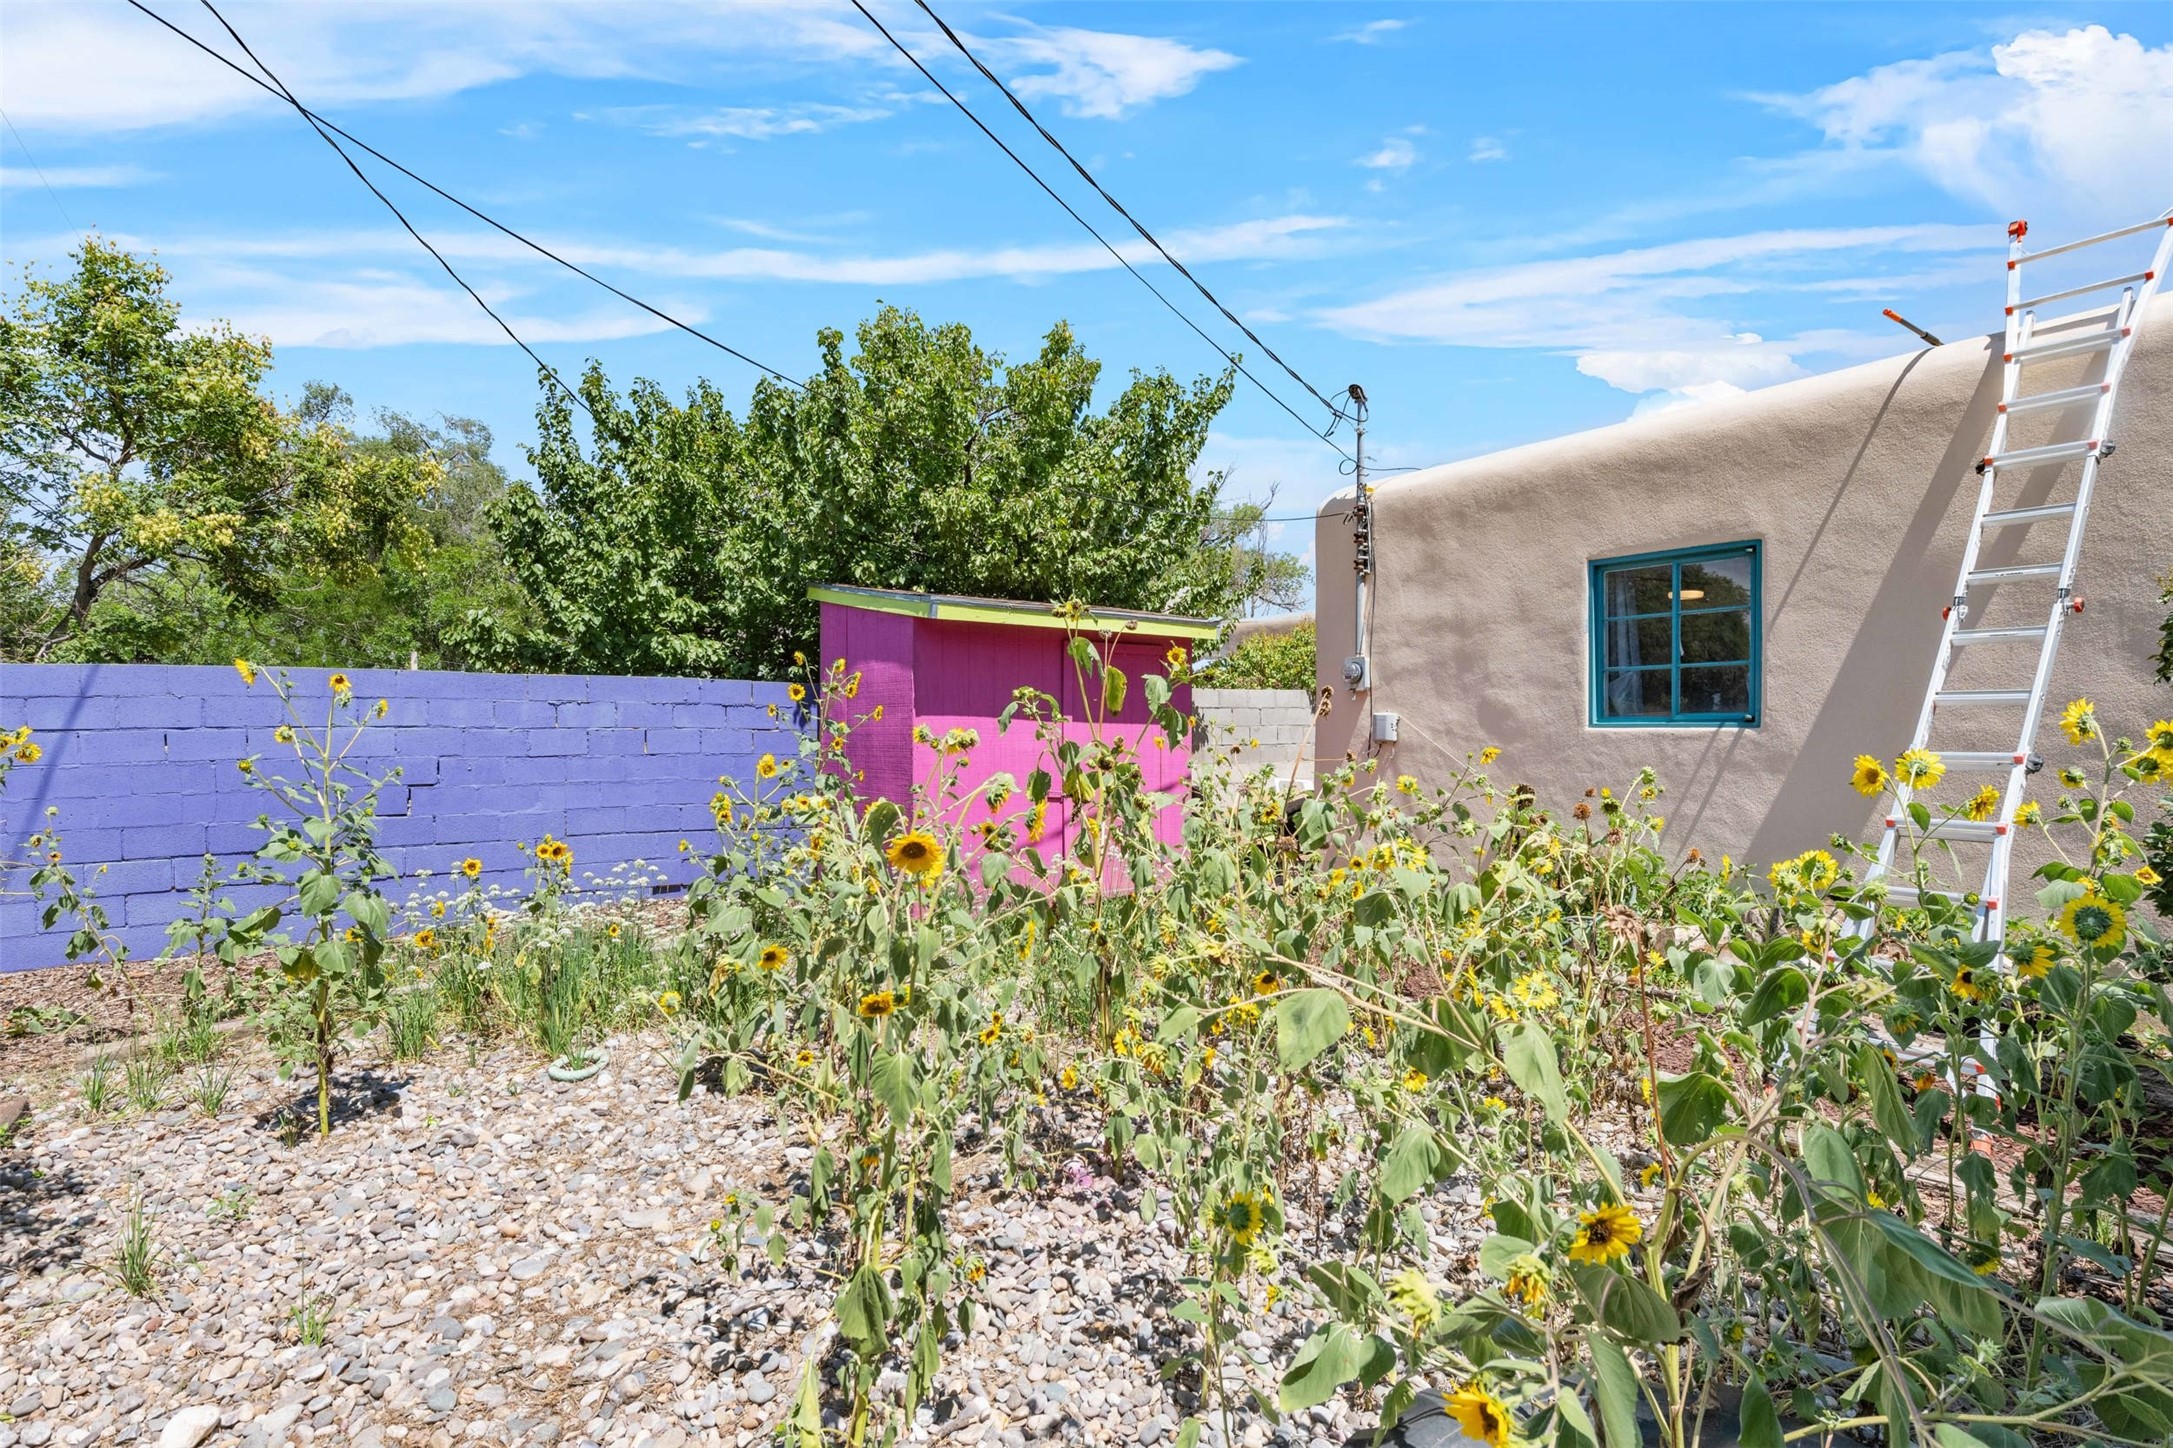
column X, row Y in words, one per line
column 43, row 1020
column 231, row 1205
column 1267, row 661
column 311, row 1319
column 411, row 1021
column 97, row 1085
column 136, row 1254
column 210, row 1087
column 332, row 982
column 144, row 1082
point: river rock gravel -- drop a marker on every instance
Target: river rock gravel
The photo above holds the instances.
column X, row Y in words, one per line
column 481, row 1255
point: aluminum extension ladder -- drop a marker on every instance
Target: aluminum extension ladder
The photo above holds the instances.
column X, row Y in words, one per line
column 2115, row 338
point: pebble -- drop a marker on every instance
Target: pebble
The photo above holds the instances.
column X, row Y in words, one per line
column 534, row 1267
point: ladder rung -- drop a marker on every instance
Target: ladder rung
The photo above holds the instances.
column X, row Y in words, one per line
column 2016, row 516
column 2051, row 452
column 2132, row 277
column 1981, row 760
column 2094, row 240
column 1982, row 696
column 2005, row 575
column 1909, row 895
column 1963, row 638
column 2062, row 398
column 1954, row 827
column 2069, row 346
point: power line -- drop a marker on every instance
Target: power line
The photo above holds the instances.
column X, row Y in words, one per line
column 398, row 215
column 536, row 246
column 1019, row 161
column 1118, row 207
column 40, row 171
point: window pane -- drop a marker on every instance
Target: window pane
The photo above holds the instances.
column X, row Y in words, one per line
column 1637, row 590
column 1717, row 690
column 1637, row 694
column 1647, row 641
column 1716, row 638
column 1716, row 583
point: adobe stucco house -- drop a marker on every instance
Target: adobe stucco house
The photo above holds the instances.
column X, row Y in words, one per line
column 1813, row 532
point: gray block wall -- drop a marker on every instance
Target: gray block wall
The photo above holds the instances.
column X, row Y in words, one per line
column 1266, row 726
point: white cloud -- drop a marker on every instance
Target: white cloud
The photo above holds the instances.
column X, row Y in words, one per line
column 1396, row 154
column 74, row 177
column 395, row 312
column 1105, row 75
column 1648, row 319
column 97, row 65
column 1488, row 148
column 749, row 123
column 1373, row 32
column 2079, row 120
column 1276, row 237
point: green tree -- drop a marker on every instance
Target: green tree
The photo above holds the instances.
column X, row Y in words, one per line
column 683, row 539
column 1267, row 581
column 134, row 453
column 1268, row 661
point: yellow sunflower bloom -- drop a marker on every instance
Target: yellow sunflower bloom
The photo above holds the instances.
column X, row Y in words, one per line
column 1605, row 1234
column 341, row 687
column 916, row 853
column 2079, row 721
column 2094, row 922
column 1241, row 1217
column 877, row 1004
column 767, row 766
column 797, row 693
column 1920, row 768
column 773, row 957
column 471, row 867
column 1983, row 804
column 248, row 672
column 1489, row 754
column 1868, row 778
column 2146, row 876
column 1481, row 1415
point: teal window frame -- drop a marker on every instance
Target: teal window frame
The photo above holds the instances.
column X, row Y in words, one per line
column 1676, row 718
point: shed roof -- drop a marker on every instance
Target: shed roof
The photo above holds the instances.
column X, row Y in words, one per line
column 956, row 608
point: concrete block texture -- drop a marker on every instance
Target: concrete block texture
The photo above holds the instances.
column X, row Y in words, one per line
column 1265, row 726
column 139, row 761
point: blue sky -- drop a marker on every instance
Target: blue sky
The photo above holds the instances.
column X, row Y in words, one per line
column 1506, row 222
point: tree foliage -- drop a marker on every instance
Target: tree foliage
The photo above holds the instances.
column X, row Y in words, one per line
column 1268, row 661
column 684, row 539
column 134, row 454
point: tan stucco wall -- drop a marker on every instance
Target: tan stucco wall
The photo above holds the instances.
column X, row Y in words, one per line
column 1859, row 484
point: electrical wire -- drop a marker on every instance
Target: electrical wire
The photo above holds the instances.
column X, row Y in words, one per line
column 536, row 246
column 1069, row 210
column 1118, row 206
column 398, row 215
column 40, row 172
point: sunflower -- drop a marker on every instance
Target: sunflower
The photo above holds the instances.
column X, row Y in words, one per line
column 1965, row 984
column 555, row 852
column 2079, row 721
column 1068, row 1078
column 774, row 957
column 876, row 713
column 1406, row 784
column 804, row 1059
column 612, row 930
column 1489, row 754
column 2160, row 736
column 2094, row 922
column 767, row 766
column 426, row 940
column 916, row 853
column 384, row 707
column 1920, row 768
column 471, row 867
column 2031, row 813
column 1414, row 1080
column 1265, row 983
column 797, row 693
column 877, row 1004
column 284, row 734
column 1604, row 1234
column 1480, row 1414
column 248, row 672
column 1529, row 1279
column 1983, row 804
column 28, row 753
column 2146, row 876
column 1241, row 1217
column 2039, row 962
column 993, row 1031
column 668, row 1003
column 341, row 687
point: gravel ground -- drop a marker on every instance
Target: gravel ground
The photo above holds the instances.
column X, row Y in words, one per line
column 504, row 1259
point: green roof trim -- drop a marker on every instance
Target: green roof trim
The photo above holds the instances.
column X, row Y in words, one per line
column 952, row 608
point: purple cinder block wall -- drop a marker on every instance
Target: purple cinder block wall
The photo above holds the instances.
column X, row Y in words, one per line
column 946, row 674
column 139, row 760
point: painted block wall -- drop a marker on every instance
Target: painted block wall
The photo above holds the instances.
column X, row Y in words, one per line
column 948, row 674
column 140, row 760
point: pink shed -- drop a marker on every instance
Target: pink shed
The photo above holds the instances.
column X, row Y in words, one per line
column 948, row 662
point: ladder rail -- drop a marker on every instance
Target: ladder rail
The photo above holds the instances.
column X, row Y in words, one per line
column 2118, row 341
